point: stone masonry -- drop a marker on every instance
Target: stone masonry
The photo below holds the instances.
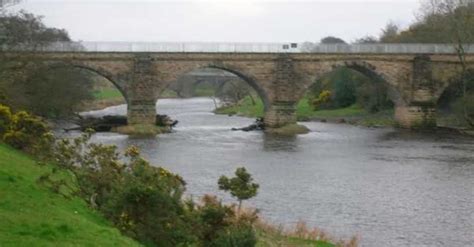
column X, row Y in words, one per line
column 415, row 82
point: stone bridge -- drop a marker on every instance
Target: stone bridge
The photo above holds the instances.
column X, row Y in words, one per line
column 415, row 80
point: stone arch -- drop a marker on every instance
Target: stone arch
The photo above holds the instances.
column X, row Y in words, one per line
column 218, row 89
column 247, row 77
column 366, row 68
column 447, row 78
column 94, row 69
column 221, row 86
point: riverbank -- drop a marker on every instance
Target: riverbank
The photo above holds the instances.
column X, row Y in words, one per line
column 33, row 213
column 39, row 208
column 353, row 114
column 378, row 164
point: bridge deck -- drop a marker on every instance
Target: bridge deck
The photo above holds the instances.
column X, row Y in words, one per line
column 202, row 47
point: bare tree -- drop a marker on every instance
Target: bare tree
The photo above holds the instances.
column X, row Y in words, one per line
column 389, row 33
column 460, row 15
column 8, row 3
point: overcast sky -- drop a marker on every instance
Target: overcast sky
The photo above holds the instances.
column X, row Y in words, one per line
column 224, row 20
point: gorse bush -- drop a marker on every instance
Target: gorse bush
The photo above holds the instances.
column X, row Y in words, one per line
column 24, row 131
column 146, row 202
column 323, row 98
column 143, row 201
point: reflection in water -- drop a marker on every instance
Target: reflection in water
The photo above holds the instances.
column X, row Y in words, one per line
column 278, row 143
column 393, row 188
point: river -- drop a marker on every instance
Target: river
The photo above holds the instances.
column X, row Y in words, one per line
column 389, row 187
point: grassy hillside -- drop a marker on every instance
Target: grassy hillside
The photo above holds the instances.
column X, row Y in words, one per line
column 35, row 212
column 33, row 215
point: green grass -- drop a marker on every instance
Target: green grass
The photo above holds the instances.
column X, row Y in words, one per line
column 304, row 112
column 204, row 91
column 107, row 93
column 33, row 215
column 243, row 108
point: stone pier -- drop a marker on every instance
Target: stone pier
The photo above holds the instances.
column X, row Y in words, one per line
column 280, row 114
column 416, row 117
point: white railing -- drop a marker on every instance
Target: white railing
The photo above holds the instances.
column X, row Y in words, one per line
column 239, row 47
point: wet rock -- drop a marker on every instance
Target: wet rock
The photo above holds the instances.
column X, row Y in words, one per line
column 258, row 125
column 111, row 122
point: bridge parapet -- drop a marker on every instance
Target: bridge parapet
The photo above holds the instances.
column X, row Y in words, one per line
column 212, row 47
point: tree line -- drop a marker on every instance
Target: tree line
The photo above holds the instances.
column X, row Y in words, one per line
column 438, row 21
column 30, row 85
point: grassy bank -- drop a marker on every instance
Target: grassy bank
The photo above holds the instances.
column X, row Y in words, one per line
column 37, row 212
column 33, row 215
column 107, row 93
column 304, row 112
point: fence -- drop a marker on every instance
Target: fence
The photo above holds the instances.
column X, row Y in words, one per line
column 239, row 47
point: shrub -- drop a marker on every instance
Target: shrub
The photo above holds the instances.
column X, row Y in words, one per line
column 147, row 205
column 323, row 98
column 463, row 107
column 343, row 88
column 235, row 236
column 5, row 119
column 373, row 97
column 146, row 202
column 221, row 225
column 27, row 132
column 143, row 201
column 240, row 186
column 213, row 216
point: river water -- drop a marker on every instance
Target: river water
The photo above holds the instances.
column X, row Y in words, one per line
column 389, row 187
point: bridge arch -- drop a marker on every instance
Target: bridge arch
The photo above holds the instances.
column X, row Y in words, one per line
column 449, row 94
column 220, row 84
column 365, row 68
column 246, row 77
column 95, row 70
